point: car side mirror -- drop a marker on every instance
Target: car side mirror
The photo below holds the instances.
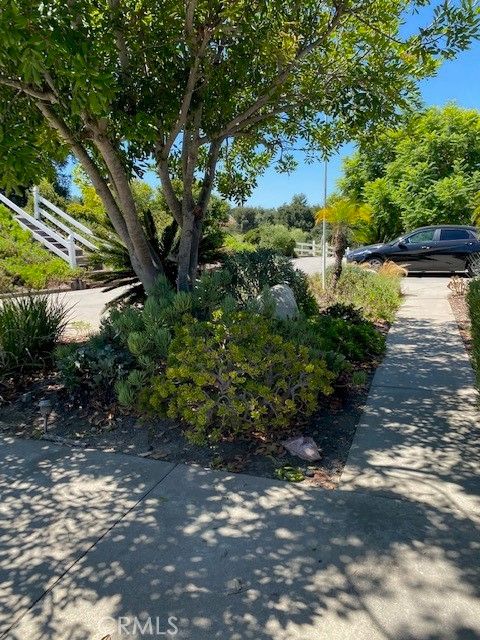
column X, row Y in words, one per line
column 402, row 244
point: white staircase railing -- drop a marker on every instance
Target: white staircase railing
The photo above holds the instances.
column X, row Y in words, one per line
column 61, row 234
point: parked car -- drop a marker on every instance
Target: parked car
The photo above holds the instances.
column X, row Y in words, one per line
column 439, row 248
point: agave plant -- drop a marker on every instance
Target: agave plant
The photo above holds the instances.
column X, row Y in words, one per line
column 120, row 273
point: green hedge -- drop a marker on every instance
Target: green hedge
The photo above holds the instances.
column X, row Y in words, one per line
column 473, row 300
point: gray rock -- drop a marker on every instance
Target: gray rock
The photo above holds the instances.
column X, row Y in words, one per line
column 285, row 303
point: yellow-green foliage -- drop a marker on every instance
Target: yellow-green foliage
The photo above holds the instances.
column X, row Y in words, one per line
column 236, row 242
column 473, row 299
column 377, row 295
column 233, row 375
column 24, row 262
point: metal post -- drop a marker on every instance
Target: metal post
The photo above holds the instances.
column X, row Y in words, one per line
column 313, row 248
column 72, row 253
column 36, row 204
column 324, row 226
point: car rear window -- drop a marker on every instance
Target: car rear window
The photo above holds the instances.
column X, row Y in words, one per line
column 455, row 234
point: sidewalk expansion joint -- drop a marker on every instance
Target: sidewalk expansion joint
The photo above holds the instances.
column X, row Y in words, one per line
column 82, row 555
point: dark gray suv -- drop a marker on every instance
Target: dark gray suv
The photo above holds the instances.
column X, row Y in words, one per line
column 448, row 248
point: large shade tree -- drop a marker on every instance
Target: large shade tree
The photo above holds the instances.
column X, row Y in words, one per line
column 426, row 171
column 209, row 91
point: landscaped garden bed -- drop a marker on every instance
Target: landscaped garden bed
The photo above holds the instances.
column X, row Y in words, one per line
column 217, row 377
column 465, row 304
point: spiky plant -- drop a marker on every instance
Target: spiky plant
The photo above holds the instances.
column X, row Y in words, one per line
column 30, row 327
column 164, row 246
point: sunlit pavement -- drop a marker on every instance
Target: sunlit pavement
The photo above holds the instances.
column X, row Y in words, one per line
column 93, row 544
column 311, row 265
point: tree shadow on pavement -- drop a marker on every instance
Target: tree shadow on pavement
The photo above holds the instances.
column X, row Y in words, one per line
column 229, row 556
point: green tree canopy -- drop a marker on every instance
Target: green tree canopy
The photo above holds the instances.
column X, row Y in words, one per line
column 248, row 218
column 296, row 213
column 425, row 172
column 209, row 91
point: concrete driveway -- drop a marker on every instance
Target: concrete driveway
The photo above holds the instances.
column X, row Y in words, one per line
column 95, row 544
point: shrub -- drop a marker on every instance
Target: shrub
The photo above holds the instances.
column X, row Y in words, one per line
column 245, row 276
column 94, row 366
column 24, row 262
column 473, row 300
column 235, row 242
column 233, row 376
column 377, row 295
column 29, row 329
column 146, row 332
column 276, row 237
column 346, row 312
column 299, row 235
column 341, row 339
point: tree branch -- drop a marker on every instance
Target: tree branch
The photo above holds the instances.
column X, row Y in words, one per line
column 173, row 202
column 190, row 7
column 209, row 176
column 193, row 77
column 119, row 37
column 98, row 181
column 263, row 99
column 38, row 94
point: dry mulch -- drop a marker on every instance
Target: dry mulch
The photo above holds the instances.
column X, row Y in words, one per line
column 103, row 425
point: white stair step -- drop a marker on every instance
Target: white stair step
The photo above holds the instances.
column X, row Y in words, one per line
column 40, row 228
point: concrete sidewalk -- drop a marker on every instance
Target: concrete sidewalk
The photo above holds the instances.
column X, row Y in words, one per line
column 87, row 538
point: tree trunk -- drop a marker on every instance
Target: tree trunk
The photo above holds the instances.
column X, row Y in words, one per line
column 339, row 248
column 124, row 219
column 184, row 282
column 194, row 250
column 141, row 256
column 190, row 237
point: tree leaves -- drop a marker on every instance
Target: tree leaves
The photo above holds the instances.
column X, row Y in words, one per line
column 427, row 172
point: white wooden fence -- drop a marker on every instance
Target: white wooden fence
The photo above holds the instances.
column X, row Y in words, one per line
column 313, row 248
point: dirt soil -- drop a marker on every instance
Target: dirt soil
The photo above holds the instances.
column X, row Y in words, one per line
column 99, row 426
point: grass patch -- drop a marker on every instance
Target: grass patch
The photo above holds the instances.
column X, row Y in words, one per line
column 29, row 330
column 378, row 295
column 473, row 301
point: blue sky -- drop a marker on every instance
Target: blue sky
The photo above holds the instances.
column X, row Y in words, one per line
column 457, row 80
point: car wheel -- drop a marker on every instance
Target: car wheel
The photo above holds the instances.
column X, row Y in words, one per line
column 473, row 265
column 375, row 262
